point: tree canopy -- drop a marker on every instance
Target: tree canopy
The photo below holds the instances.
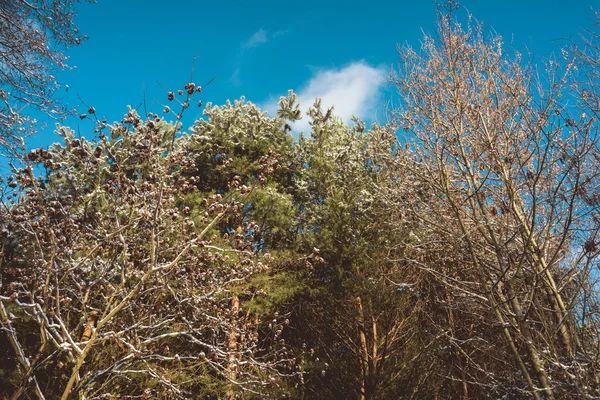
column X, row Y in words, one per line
column 449, row 253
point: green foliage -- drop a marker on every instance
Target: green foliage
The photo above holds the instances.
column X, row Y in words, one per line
column 279, row 289
column 233, row 260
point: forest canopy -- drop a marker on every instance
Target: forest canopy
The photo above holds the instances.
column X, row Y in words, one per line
column 449, row 253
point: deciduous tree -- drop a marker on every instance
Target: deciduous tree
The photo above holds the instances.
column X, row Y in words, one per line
column 33, row 35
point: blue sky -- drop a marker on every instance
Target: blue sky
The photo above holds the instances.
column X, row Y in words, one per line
column 341, row 51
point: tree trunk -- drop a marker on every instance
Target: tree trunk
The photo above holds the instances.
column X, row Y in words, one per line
column 369, row 363
column 232, row 347
column 364, row 352
column 533, row 353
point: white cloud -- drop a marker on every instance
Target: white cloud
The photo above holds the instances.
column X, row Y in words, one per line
column 259, row 37
column 234, row 79
column 353, row 90
column 282, row 32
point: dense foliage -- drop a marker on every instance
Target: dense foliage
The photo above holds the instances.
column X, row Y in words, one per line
column 452, row 253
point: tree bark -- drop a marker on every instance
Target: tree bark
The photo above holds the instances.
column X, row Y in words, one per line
column 232, row 347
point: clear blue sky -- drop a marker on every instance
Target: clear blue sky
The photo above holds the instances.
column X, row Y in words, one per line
column 260, row 49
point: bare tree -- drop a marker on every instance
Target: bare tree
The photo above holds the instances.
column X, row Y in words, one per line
column 587, row 57
column 32, row 36
column 511, row 171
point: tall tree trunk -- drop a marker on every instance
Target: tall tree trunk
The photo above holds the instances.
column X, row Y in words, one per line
column 531, row 349
column 451, row 322
column 374, row 359
column 364, row 352
column 233, row 346
column 369, row 363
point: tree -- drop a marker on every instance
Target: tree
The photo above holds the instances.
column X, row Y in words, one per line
column 586, row 56
column 450, row 253
column 361, row 310
column 32, row 36
column 511, row 169
column 242, row 134
column 113, row 285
